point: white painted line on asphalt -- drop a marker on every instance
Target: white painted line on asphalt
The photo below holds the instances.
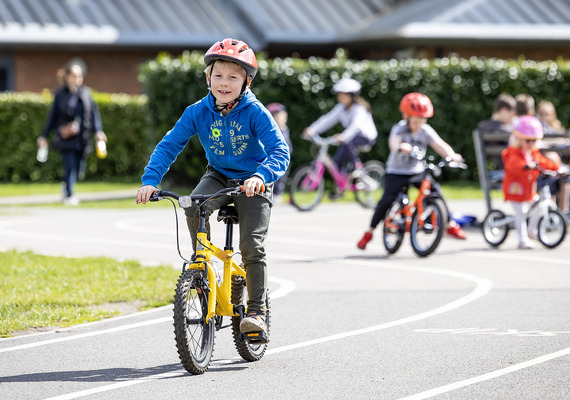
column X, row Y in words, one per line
column 541, row 260
column 77, row 239
column 84, row 335
column 285, row 287
column 483, row 287
column 86, row 325
column 114, row 386
column 488, row 376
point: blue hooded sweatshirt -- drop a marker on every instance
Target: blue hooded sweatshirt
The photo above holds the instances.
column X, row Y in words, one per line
column 244, row 143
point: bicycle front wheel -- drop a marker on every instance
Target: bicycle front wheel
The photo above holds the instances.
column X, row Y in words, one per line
column 248, row 351
column 369, row 187
column 394, row 228
column 307, row 187
column 495, row 229
column 427, row 229
column 552, row 229
column 194, row 335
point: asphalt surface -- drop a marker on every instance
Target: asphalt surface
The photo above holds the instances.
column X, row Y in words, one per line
column 468, row 322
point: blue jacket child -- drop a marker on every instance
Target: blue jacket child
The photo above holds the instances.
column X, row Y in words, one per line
column 241, row 141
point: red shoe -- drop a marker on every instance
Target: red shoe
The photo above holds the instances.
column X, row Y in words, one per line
column 364, row 241
column 456, row 232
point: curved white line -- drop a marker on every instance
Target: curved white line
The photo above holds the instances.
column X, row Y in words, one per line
column 285, row 287
column 541, row 260
column 483, row 286
column 487, row 376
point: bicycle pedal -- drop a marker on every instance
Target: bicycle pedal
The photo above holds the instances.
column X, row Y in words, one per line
column 256, row 337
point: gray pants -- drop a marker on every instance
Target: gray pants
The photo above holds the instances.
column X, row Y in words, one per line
column 254, row 213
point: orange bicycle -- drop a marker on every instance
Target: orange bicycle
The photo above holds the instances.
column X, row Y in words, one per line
column 425, row 219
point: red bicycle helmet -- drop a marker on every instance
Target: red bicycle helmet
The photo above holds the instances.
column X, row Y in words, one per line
column 416, row 105
column 235, row 51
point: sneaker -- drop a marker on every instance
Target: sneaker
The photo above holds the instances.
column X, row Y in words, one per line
column 456, row 232
column 367, row 237
column 525, row 246
column 253, row 322
column 71, row 201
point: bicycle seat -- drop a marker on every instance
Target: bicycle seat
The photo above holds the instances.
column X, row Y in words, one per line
column 228, row 214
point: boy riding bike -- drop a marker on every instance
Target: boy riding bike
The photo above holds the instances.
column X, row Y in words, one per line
column 241, row 141
column 411, row 133
column 353, row 113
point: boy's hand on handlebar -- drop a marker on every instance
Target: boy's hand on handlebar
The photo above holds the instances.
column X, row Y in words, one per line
column 252, row 186
column 144, row 193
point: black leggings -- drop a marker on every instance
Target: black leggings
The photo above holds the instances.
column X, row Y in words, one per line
column 393, row 184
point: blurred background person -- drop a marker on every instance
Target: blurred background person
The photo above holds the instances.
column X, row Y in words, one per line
column 74, row 117
column 280, row 115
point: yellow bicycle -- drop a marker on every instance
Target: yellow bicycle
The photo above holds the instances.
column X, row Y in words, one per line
column 211, row 286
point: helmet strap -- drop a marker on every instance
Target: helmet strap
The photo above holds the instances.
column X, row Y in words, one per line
column 231, row 104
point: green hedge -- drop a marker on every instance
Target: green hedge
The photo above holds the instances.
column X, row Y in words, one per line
column 463, row 92
column 22, row 119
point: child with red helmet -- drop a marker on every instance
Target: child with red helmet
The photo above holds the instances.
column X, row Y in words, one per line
column 411, row 133
column 520, row 160
column 241, row 141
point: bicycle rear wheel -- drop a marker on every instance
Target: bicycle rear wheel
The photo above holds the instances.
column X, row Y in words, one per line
column 552, row 229
column 248, row 351
column 307, row 187
column 427, row 229
column 369, row 187
column 194, row 336
column 494, row 229
column 394, row 228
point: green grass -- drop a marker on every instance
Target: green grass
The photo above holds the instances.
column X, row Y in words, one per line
column 456, row 190
column 40, row 291
column 26, row 189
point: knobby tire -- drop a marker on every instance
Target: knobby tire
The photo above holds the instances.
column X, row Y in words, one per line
column 248, row 351
column 194, row 337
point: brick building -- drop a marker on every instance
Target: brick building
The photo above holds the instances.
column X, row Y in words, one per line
column 113, row 37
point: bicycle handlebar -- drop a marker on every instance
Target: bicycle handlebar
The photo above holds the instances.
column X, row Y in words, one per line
column 429, row 164
column 561, row 172
column 321, row 141
column 186, row 201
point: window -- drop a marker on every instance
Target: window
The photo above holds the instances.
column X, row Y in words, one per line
column 6, row 74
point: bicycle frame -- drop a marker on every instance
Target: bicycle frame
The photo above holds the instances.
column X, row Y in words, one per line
column 324, row 161
column 219, row 295
column 538, row 208
column 408, row 209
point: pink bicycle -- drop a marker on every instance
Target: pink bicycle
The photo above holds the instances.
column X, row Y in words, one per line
column 308, row 183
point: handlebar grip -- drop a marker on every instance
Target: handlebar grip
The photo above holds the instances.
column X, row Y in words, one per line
column 155, row 196
column 262, row 190
column 160, row 194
